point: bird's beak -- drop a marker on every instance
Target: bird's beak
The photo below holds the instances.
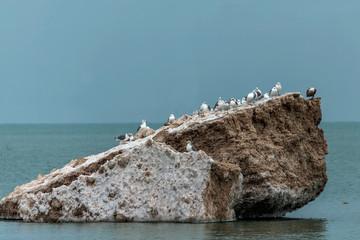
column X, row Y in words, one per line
column 146, row 121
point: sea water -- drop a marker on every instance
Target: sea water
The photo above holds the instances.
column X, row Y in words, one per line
column 27, row 150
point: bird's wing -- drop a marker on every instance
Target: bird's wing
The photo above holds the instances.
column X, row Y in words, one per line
column 193, row 148
column 138, row 129
column 121, row 137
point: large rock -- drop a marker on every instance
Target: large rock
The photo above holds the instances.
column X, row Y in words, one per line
column 261, row 160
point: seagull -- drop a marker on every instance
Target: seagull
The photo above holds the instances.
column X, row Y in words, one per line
column 219, row 104
column 266, row 96
column 189, row 147
column 124, row 137
column 233, row 102
column 311, row 92
column 238, row 102
column 250, row 97
column 273, row 92
column 204, row 108
column 131, row 137
column 171, row 119
column 258, row 93
column 243, row 100
column 195, row 112
column 142, row 126
column 278, row 87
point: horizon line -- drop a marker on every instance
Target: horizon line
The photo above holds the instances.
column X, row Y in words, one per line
column 68, row 123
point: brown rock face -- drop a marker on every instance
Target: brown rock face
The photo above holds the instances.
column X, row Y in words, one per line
column 277, row 145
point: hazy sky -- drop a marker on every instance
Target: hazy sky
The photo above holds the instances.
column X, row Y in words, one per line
column 124, row 60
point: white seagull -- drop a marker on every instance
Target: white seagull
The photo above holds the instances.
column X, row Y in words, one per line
column 233, row 103
column 142, row 126
column 226, row 106
column 194, row 113
column 171, row 119
column 250, row 97
column 189, row 147
column 258, row 93
column 278, row 87
column 273, row 92
column 204, row 108
column 219, row 104
column 243, row 100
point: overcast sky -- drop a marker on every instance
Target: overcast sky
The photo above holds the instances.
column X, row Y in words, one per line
column 125, row 60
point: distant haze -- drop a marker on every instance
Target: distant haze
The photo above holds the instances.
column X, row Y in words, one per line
column 88, row 61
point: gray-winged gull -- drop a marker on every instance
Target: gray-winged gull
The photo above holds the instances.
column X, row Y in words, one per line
column 278, row 87
column 219, row 104
column 273, row 92
column 142, row 126
column 124, row 137
column 190, row 147
column 311, row 92
column 171, row 119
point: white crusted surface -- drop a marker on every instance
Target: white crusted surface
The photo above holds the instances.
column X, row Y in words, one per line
column 157, row 184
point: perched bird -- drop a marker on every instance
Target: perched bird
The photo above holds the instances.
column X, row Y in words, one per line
column 233, row 102
column 204, row 108
column 121, row 137
column 311, row 92
column 219, row 104
column 142, row 126
column 171, row 119
column 238, row 102
column 250, row 97
column 195, row 112
column 131, row 137
column 190, row 147
column 273, row 92
column 258, row 93
column 124, row 137
column 278, row 87
column 243, row 100
column 266, row 96
column 226, row 106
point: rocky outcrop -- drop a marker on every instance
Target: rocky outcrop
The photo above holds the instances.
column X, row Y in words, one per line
column 277, row 145
column 260, row 160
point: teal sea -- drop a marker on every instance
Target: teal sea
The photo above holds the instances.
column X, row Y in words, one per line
column 27, row 150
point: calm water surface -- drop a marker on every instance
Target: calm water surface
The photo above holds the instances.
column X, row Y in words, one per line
column 27, row 150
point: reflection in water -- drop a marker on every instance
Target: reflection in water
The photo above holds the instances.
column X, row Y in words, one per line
column 284, row 228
